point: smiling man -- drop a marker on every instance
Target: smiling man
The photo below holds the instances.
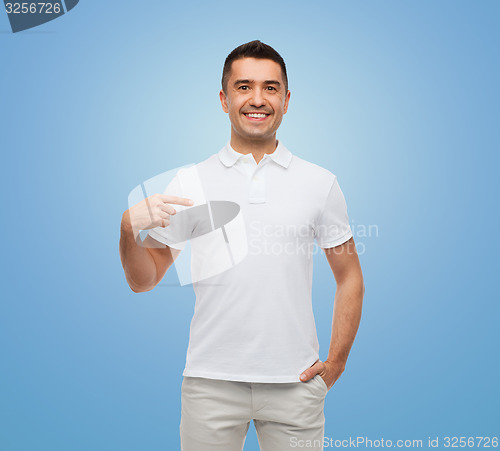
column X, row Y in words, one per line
column 253, row 350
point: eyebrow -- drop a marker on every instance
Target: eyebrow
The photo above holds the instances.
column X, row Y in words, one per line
column 267, row 82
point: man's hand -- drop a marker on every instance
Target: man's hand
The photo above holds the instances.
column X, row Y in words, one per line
column 154, row 211
column 328, row 370
column 145, row 263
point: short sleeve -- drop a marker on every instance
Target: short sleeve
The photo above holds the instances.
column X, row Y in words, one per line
column 332, row 225
column 174, row 234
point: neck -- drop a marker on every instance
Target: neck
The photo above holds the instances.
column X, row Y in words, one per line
column 257, row 147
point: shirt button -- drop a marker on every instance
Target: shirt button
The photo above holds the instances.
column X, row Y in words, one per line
column 255, row 178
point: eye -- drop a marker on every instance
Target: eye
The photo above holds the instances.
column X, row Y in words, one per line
column 244, row 87
column 271, row 88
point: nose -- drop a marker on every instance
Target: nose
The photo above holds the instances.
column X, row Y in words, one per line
column 257, row 99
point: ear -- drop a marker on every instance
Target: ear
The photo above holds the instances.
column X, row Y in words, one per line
column 223, row 101
column 287, row 99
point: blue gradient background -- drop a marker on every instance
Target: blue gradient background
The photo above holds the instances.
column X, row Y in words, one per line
column 398, row 98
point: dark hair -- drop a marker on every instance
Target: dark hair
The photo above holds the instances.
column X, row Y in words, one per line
column 253, row 49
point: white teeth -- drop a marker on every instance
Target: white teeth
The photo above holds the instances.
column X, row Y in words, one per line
column 255, row 115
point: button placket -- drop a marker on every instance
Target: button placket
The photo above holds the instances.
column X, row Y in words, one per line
column 257, row 188
column 244, row 165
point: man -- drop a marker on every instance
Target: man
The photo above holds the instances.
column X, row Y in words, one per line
column 253, row 349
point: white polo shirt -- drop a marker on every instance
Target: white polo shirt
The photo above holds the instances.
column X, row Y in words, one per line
column 254, row 321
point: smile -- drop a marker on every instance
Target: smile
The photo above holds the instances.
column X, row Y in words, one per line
column 256, row 116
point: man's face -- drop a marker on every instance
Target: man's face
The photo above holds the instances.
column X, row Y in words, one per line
column 256, row 99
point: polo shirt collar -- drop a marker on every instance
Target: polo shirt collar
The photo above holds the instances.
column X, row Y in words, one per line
column 281, row 155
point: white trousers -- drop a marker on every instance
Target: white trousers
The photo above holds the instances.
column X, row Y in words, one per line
column 216, row 414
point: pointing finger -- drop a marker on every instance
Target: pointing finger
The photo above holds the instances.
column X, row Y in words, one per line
column 176, row 200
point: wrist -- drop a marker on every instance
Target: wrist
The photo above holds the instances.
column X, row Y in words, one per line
column 336, row 361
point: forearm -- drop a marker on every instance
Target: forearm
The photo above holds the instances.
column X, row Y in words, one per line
column 346, row 317
column 137, row 261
